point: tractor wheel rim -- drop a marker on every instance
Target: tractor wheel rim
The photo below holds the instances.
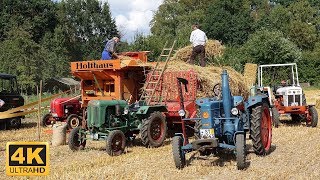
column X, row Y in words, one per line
column 48, row 121
column 74, row 122
column 156, row 129
column 116, row 143
column 265, row 128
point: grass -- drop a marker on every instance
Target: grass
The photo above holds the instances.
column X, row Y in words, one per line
column 295, row 155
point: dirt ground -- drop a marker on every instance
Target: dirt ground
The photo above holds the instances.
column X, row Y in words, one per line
column 295, row 155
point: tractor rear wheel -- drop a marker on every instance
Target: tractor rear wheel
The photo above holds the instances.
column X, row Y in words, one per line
column 116, row 142
column 179, row 156
column 47, row 120
column 313, row 114
column 275, row 117
column 261, row 129
column 240, row 150
column 154, row 129
column 77, row 139
column 73, row 121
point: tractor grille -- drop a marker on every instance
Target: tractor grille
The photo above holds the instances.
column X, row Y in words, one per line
column 294, row 98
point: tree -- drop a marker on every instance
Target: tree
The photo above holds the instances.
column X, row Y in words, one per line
column 267, row 47
column 174, row 18
column 86, row 24
column 229, row 21
column 309, row 66
column 35, row 16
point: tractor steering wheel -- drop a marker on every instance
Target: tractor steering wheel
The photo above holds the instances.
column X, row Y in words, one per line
column 217, row 90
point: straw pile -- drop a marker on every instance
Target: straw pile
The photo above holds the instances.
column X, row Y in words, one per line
column 250, row 74
column 318, row 103
column 210, row 76
column 214, row 48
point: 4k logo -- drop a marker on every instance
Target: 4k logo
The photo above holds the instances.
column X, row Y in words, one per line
column 27, row 158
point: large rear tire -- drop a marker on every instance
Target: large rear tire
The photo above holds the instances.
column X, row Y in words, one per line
column 76, row 139
column 240, row 150
column 275, row 117
column 313, row 116
column 46, row 120
column 178, row 155
column 154, row 130
column 261, row 129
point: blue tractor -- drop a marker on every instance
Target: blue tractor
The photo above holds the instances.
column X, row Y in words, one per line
column 222, row 124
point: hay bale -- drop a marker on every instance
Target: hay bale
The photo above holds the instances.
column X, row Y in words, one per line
column 210, row 76
column 318, row 104
column 59, row 134
column 250, row 74
column 214, row 48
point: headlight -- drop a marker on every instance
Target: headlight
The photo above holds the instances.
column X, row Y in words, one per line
column 125, row 111
column 54, row 115
column 66, row 111
column 205, row 115
column 181, row 112
column 234, row 111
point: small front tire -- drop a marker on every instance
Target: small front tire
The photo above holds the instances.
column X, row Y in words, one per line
column 116, row 143
column 77, row 139
column 313, row 116
column 178, row 154
column 275, row 117
column 240, row 150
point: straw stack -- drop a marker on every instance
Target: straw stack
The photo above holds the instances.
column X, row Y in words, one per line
column 214, row 48
column 250, row 74
column 210, row 76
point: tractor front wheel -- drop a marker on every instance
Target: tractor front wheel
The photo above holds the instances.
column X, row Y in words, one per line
column 261, row 129
column 178, row 155
column 240, row 150
column 116, row 143
column 275, row 117
column 14, row 123
column 47, row 120
column 77, row 139
column 313, row 116
column 154, row 129
column 73, row 121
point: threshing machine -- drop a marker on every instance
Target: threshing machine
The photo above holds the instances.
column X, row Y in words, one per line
column 223, row 125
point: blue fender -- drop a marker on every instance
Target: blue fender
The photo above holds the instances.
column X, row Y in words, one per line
column 257, row 99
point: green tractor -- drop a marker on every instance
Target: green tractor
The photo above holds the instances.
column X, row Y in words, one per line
column 116, row 122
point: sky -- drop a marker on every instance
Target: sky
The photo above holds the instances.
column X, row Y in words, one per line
column 133, row 16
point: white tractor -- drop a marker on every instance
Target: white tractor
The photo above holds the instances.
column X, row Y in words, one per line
column 288, row 98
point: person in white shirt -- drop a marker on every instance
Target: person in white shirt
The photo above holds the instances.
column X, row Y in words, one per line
column 1, row 103
column 198, row 39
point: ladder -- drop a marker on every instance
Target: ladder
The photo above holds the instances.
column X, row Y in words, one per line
column 154, row 78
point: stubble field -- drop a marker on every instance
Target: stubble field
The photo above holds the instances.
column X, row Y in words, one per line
column 295, row 155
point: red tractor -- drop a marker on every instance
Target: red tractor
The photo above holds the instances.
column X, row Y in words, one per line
column 64, row 109
column 288, row 98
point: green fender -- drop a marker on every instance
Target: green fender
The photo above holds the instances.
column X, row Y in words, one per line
column 146, row 110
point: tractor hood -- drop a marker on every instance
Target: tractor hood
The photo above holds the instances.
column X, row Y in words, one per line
column 290, row 90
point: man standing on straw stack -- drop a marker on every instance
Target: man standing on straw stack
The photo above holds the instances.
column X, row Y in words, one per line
column 198, row 39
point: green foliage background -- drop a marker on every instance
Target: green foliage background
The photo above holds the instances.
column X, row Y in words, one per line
column 39, row 38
